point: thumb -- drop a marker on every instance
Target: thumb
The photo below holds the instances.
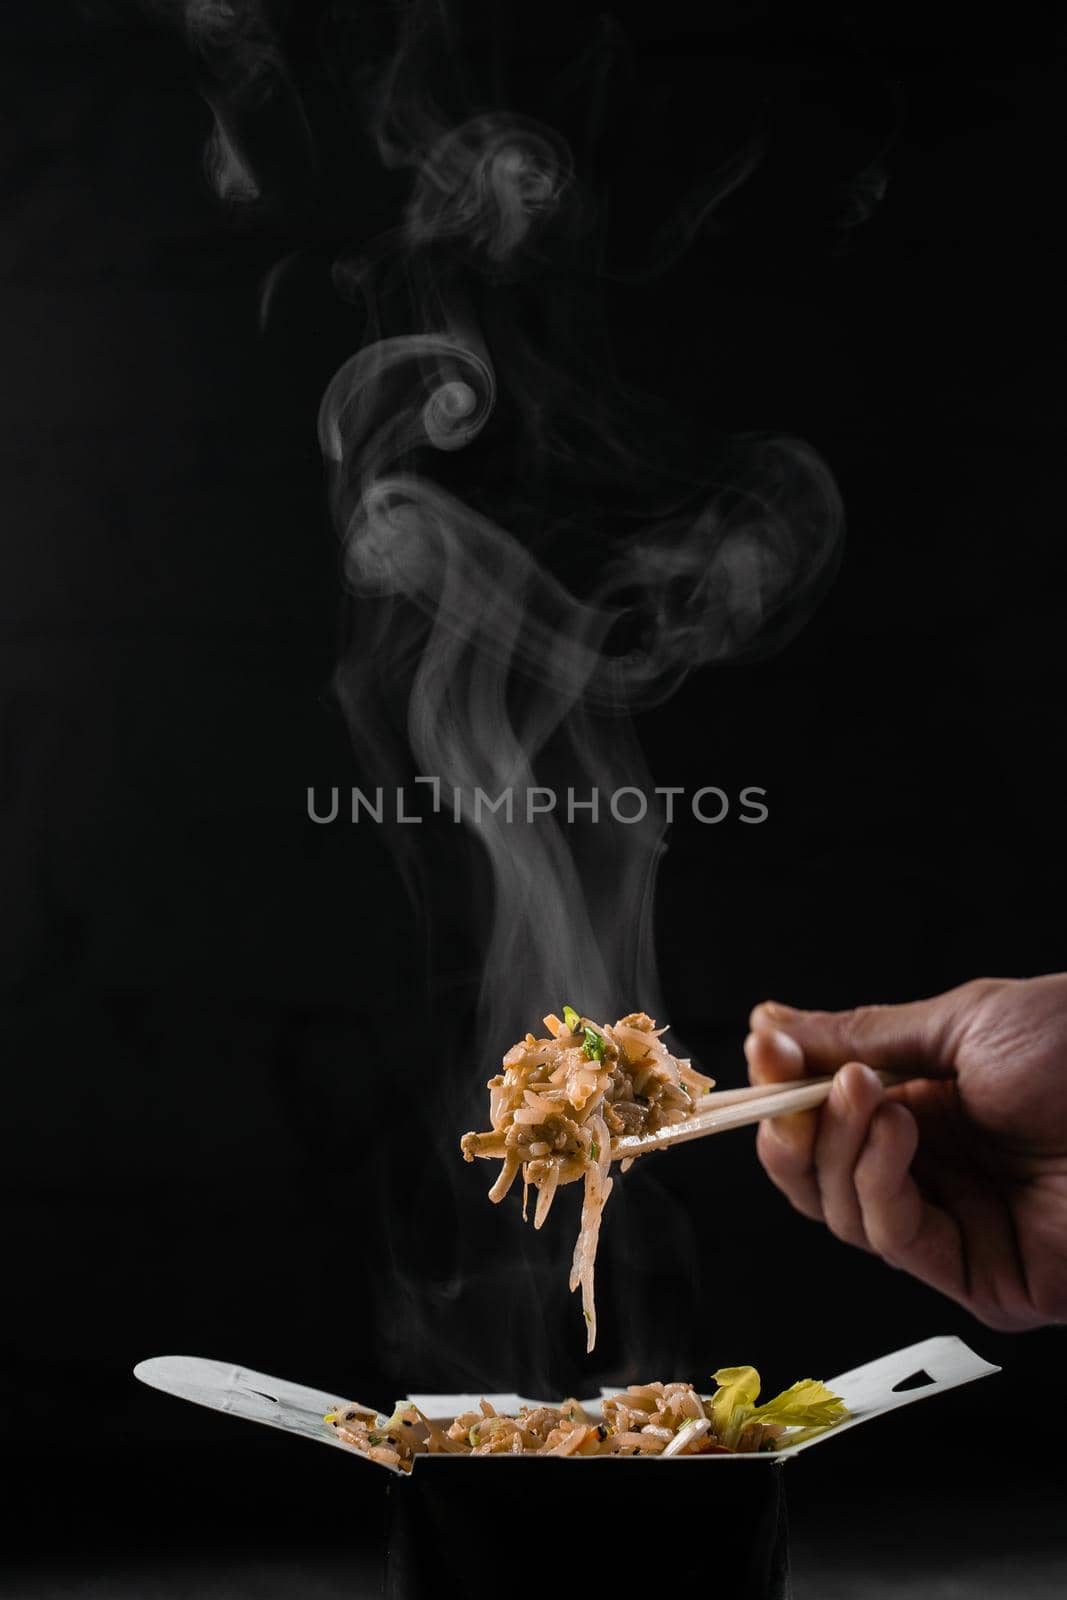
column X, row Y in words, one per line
column 920, row 1037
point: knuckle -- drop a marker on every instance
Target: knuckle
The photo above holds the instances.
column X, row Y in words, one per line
column 844, row 1227
column 841, row 1212
column 978, row 989
column 885, row 1245
column 785, row 1188
column 864, row 1018
column 887, row 1238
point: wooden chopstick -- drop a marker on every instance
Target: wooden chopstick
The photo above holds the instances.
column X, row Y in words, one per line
column 735, row 1108
column 751, row 1091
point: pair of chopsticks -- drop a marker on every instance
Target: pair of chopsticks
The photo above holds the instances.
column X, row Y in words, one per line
column 735, row 1108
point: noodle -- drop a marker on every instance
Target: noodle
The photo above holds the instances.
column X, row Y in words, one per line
column 656, row 1419
column 560, row 1103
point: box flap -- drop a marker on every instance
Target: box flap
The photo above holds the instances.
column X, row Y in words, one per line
column 872, row 1390
column 253, row 1396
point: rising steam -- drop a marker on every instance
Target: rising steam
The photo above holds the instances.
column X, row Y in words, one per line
column 531, row 558
column 482, row 652
column 509, row 677
column 487, row 648
column 259, row 128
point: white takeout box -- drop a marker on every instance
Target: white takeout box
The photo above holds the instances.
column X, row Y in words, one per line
column 868, row 1391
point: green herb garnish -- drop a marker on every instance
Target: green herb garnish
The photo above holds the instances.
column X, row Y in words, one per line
column 593, row 1047
column 572, row 1019
column 594, row 1150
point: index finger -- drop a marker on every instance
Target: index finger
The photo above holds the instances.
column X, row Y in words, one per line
column 776, row 1058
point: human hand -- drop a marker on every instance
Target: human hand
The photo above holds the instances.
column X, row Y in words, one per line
column 958, row 1176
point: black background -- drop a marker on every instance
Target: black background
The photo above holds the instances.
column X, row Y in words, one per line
column 204, row 994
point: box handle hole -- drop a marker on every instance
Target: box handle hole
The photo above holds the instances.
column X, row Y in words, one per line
column 915, row 1380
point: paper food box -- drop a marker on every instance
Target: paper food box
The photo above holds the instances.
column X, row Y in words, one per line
column 531, row 1525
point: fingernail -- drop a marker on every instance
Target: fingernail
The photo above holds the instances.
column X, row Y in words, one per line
column 776, row 1011
column 761, row 1049
column 787, row 1046
column 854, row 1095
column 839, row 1094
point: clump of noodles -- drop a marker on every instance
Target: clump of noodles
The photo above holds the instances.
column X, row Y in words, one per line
column 647, row 1419
column 560, row 1103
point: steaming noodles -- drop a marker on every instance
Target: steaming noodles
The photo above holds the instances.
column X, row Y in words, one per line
column 560, row 1103
column 647, row 1419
